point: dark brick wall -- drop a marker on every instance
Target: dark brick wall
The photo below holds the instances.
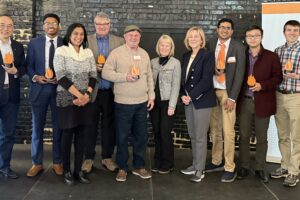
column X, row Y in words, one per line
column 153, row 16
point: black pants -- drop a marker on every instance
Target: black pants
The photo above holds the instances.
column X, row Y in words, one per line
column 162, row 127
column 66, row 145
column 104, row 105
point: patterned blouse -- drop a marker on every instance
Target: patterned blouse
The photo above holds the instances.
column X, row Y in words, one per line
column 78, row 69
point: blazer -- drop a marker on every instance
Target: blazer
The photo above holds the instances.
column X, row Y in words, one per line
column 199, row 82
column 35, row 62
column 14, row 80
column 267, row 71
column 235, row 70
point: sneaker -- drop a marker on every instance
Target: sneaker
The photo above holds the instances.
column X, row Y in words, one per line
column 121, row 176
column 214, row 168
column 143, row 173
column 228, row 177
column 68, row 178
column 165, row 171
column 188, row 171
column 154, row 169
column 109, row 164
column 8, row 173
column 279, row 173
column 198, row 176
column 87, row 165
column 291, row 180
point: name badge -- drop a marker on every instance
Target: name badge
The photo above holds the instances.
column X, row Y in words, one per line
column 137, row 58
column 231, row 60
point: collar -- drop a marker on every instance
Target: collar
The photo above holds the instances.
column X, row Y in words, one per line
column 259, row 53
column 226, row 43
column 296, row 44
column 102, row 38
column 9, row 42
column 54, row 39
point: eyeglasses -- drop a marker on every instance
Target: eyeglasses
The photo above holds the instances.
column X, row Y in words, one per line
column 253, row 36
column 228, row 28
column 54, row 24
column 8, row 27
column 102, row 24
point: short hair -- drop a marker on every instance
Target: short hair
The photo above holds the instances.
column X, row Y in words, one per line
column 66, row 39
column 291, row 23
column 200, row 32
column 5, row 15
column 170, row 40
column 102, row 15
column 55, row 16
column 226, row 20
column 255, row 27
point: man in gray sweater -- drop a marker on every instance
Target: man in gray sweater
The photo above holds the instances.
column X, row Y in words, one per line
column 128, row 66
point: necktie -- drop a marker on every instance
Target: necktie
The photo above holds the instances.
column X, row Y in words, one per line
column 221, row 63
column 51, row 56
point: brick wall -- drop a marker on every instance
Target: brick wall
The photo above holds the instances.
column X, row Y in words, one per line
column 153, row 16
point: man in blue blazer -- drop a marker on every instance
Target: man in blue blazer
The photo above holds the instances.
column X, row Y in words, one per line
column 9, row 92
column 43, row 93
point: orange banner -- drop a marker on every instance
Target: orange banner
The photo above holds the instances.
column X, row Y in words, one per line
column 280, row 8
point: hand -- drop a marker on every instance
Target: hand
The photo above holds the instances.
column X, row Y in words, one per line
column 11, row 70
column 150, row 104
column 186, row 100
column 171, row 111
column 82, row 100
column 229, row 105
column 99, row 67
column 52, row 80
column 256, row 87
column 41, row 79
column 130, row 78
column 292, row 75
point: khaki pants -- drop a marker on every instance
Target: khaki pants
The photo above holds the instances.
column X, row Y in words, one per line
column 223, row 120
column 287, row 120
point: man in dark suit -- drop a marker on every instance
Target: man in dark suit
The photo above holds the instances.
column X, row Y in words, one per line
column 229, row 74
column 10, row 72
column 102, row 43
column 43, row 93
column 257, row 101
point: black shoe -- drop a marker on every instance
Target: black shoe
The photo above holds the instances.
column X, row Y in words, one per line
column 242, row 173
column 155, row 169
column 228, row 177
column 262, row 176
column 68, row 178
column 165, row 171
column 82, row 177
column 8, row 173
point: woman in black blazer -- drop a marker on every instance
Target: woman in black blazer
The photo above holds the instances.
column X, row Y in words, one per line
column 198, row 95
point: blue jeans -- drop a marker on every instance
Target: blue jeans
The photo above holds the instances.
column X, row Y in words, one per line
column 46, row 97
column 8, row 120
column 131, row 119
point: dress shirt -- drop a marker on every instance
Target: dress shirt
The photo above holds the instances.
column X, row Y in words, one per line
column 5, row 48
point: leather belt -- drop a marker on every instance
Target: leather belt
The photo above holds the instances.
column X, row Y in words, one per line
column 5, row 86
column 248, row 97
column 288, row 91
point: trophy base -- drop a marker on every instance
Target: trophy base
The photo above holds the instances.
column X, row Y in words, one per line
column 221, row 70
column 8, row 65
column 288, row 71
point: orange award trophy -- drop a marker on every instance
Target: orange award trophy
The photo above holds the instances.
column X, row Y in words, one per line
column 8, row 60
column 49, row 73
column 288, row 67
column 251, row 81
column 101, row 61
column 135, row 72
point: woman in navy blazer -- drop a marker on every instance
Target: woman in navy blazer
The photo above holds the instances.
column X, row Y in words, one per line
column 198, row 95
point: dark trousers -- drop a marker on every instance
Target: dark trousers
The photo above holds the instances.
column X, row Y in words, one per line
column 66, row 146
column 246, row 117
column 162, row 127
column 8, row 119
column 47, row 97
column 104, row 105
column 131, row 119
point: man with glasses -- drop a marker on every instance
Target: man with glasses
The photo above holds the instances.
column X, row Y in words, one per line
column 43, row 93
column 12, row 61
column 287, row 117
column 228, row 78
column 102, row 43
column 257, row 102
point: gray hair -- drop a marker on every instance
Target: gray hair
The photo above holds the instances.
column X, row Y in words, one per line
column 102, row 15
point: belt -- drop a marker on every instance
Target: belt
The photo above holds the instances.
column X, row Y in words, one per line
column 248, row 97
column 288, row 91
column 104, row 90
column 5, row 86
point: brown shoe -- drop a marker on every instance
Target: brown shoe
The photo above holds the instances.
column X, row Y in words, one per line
column 87, row 165
column 58, row 169
column 143, row 173
column 35, row 170
column 109, row 164
column 121, row 176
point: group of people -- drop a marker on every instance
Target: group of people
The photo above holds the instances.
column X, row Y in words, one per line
column 84, row 77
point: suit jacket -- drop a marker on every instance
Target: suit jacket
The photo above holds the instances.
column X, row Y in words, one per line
column 14, row 80
column 267, row 71
column 198, row 84
column 234, row 71
column 35, row 62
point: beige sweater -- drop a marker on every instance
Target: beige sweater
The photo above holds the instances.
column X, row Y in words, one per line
column 116, row 68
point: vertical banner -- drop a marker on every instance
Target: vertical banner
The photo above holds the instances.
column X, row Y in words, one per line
column 274, row 16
